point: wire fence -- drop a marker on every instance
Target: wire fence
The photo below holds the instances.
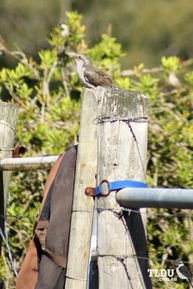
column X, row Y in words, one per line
column 119, row 210
column 166, row 214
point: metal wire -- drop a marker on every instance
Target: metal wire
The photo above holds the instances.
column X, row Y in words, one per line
column 8, row 125
column 5, row 239
column 117, row 210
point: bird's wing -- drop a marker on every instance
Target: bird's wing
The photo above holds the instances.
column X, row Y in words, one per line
column 97, row 77
column 185, row 271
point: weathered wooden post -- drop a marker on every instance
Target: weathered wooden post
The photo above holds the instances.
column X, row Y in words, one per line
column 81, row 220
column 112, row 146
column 122, row 144
column 8, row 121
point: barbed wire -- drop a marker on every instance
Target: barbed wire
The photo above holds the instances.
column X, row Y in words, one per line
column 139, row 211
column 118, row 209
column 170, row 120
column 100, row 120
column 3, row 122
column 99, row 209
column 146, row 257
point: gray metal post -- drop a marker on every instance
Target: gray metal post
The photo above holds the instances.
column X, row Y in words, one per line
column 155, row 198
column 27, row 164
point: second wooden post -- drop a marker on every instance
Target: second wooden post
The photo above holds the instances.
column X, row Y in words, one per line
column 8, row 121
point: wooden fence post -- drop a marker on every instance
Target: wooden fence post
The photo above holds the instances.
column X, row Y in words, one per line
column 8, row 121
column 122, row 144
column 112, row 145
column 82, row 213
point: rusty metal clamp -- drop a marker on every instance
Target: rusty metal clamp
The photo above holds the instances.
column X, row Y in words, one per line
column 99, row 190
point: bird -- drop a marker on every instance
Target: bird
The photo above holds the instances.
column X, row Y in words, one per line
column 182, row 271
column 89, row 75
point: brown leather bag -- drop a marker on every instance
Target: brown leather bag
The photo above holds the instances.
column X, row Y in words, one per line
column 45, row 261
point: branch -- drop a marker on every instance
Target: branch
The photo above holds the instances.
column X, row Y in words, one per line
column 145, row 70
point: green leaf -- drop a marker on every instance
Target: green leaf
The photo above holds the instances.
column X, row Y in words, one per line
column 189, row 78
column 171, row 63
column 48, row 58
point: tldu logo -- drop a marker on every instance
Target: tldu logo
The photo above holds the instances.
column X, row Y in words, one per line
column 168, row 274
column 162, row 274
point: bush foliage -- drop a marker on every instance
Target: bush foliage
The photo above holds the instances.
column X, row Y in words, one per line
column 49, row 95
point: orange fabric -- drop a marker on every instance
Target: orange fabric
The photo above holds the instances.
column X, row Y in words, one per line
column 28, row 273
column 27, row 277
